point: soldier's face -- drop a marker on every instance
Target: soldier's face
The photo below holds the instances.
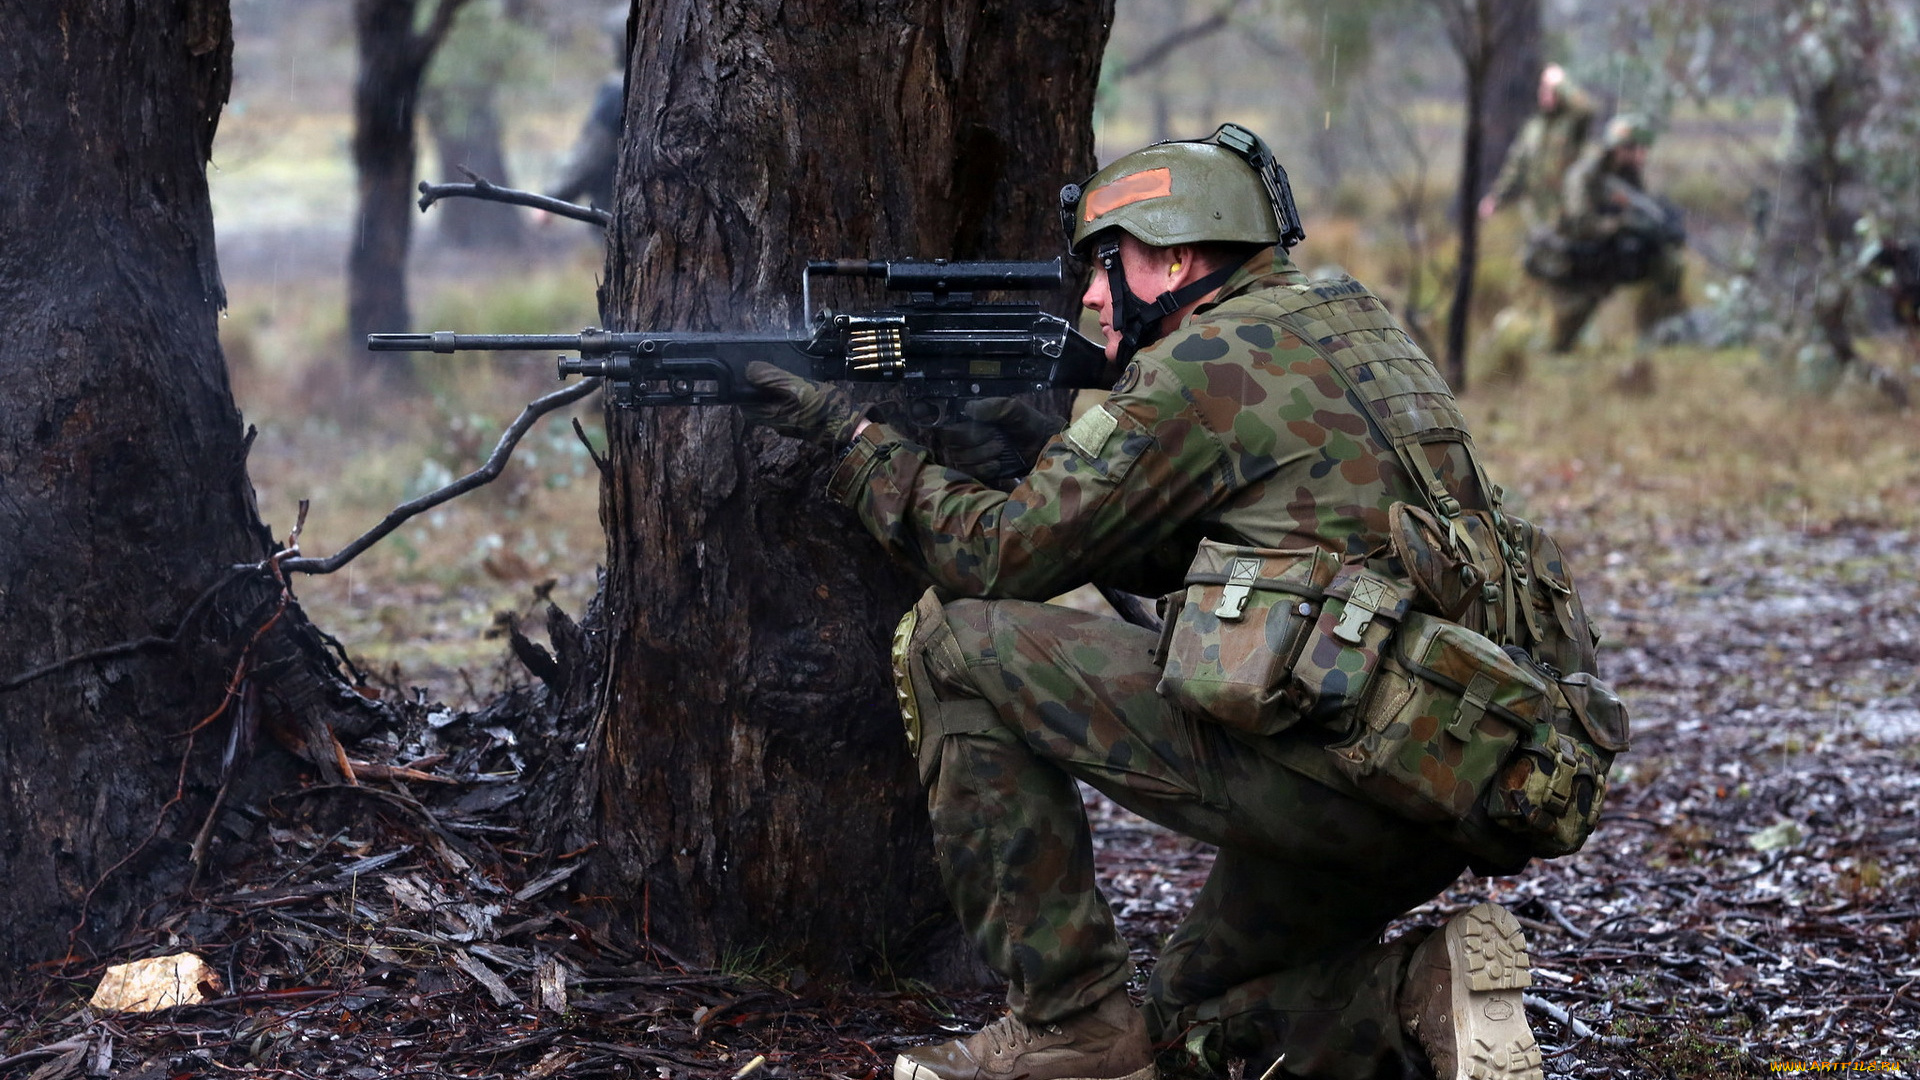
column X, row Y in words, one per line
column 1147, row 273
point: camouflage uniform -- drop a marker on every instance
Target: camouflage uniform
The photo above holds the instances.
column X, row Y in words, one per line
column 1234, row 427
column 1603, row 197
column 1548, row 143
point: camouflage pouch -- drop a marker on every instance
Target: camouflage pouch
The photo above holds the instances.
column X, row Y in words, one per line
column 1551, row 789
column 1227, row 653
column 1343, row 648
column 1447, row 709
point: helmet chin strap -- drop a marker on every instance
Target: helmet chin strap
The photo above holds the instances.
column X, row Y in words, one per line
column 1136, row 320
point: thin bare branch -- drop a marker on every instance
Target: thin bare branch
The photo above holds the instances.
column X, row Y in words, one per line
column 482, row 188
column 1162, row 50
column 485, row 474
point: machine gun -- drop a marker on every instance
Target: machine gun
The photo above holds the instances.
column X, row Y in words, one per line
column 939, row 344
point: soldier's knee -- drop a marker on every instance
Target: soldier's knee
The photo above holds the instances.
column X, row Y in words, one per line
column 934, row 649
column 927, row 648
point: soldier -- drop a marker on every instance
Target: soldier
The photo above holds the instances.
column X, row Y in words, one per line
column 1547, row 145
column 1232, row 420
column 1611, row 232
column 587, row 170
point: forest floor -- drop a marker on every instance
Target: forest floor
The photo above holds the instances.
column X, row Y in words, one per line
column 1751, row 903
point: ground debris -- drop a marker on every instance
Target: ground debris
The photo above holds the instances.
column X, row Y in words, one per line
column 1751, row 900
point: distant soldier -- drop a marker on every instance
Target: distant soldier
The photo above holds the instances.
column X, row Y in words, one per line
column 1546, row 146
column 587, row 170
column 1611, row 232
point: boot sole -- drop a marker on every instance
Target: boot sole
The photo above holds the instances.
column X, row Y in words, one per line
column 904, row 1069
column 1488, row 957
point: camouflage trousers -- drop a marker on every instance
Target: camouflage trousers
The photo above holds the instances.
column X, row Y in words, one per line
column 1281, row 952
column 1656, row 297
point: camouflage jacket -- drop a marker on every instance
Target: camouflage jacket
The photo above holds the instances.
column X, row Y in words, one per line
column 1235, row 428
column 1547, row 146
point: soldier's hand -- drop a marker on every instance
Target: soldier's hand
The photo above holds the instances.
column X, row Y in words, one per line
column 995, row 440
column 800, row 408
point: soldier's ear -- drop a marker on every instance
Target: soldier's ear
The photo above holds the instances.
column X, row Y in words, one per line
column 1182, row 257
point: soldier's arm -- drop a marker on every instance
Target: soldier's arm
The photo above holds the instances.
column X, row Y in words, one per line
column 1118, row 482
column 1519, row 164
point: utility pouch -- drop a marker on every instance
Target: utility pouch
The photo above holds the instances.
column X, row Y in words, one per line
column 1550, row 791
column 1343, row 649
column 1455, row 564
column 1229, row 650
column 1504, row 578
column 1447, row 709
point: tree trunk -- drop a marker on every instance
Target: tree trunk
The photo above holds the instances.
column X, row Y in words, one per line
column 1481, row 31
column 1513, row 85
column 1467, row 220
column 755, row 795
column 123, row 489
column 393, row 57
column 463, row 115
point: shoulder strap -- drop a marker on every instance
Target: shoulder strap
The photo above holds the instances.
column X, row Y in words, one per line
column 1402, row 394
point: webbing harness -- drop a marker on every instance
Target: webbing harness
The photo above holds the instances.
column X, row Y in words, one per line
column 1407, row 404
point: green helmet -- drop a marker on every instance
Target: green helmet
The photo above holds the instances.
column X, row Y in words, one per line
column 1225, row 188
column 1628, row 129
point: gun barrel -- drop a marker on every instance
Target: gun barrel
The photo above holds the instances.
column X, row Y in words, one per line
column 446, row 341
column 942, row 276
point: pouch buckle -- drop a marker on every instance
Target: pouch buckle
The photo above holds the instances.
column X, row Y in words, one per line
column 1566, row 770
column 1473, row 705
column 1362, row 604
column 1241, row 574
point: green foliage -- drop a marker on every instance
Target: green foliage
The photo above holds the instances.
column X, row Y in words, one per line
column 485, row 48
column 1338, row 37
column 533, row 303
column 1685, row 1050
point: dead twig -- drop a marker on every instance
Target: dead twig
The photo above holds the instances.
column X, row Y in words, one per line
column 485, row 474
column 64, row 1046
column 152, row 641
column 487, row 191
column 1572, row 1023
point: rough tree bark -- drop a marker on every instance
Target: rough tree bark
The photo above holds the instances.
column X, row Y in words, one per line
column 754, row 791
column 386, row 96
column 123, row 489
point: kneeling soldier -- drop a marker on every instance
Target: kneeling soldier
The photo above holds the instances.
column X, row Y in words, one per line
column 1235, row 421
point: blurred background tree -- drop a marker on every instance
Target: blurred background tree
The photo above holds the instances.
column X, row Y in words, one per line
column 397, row 39
column 485, row 52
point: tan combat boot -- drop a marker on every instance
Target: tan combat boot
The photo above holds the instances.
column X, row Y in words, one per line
column 1106, row 1042
column 1461, row 1000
